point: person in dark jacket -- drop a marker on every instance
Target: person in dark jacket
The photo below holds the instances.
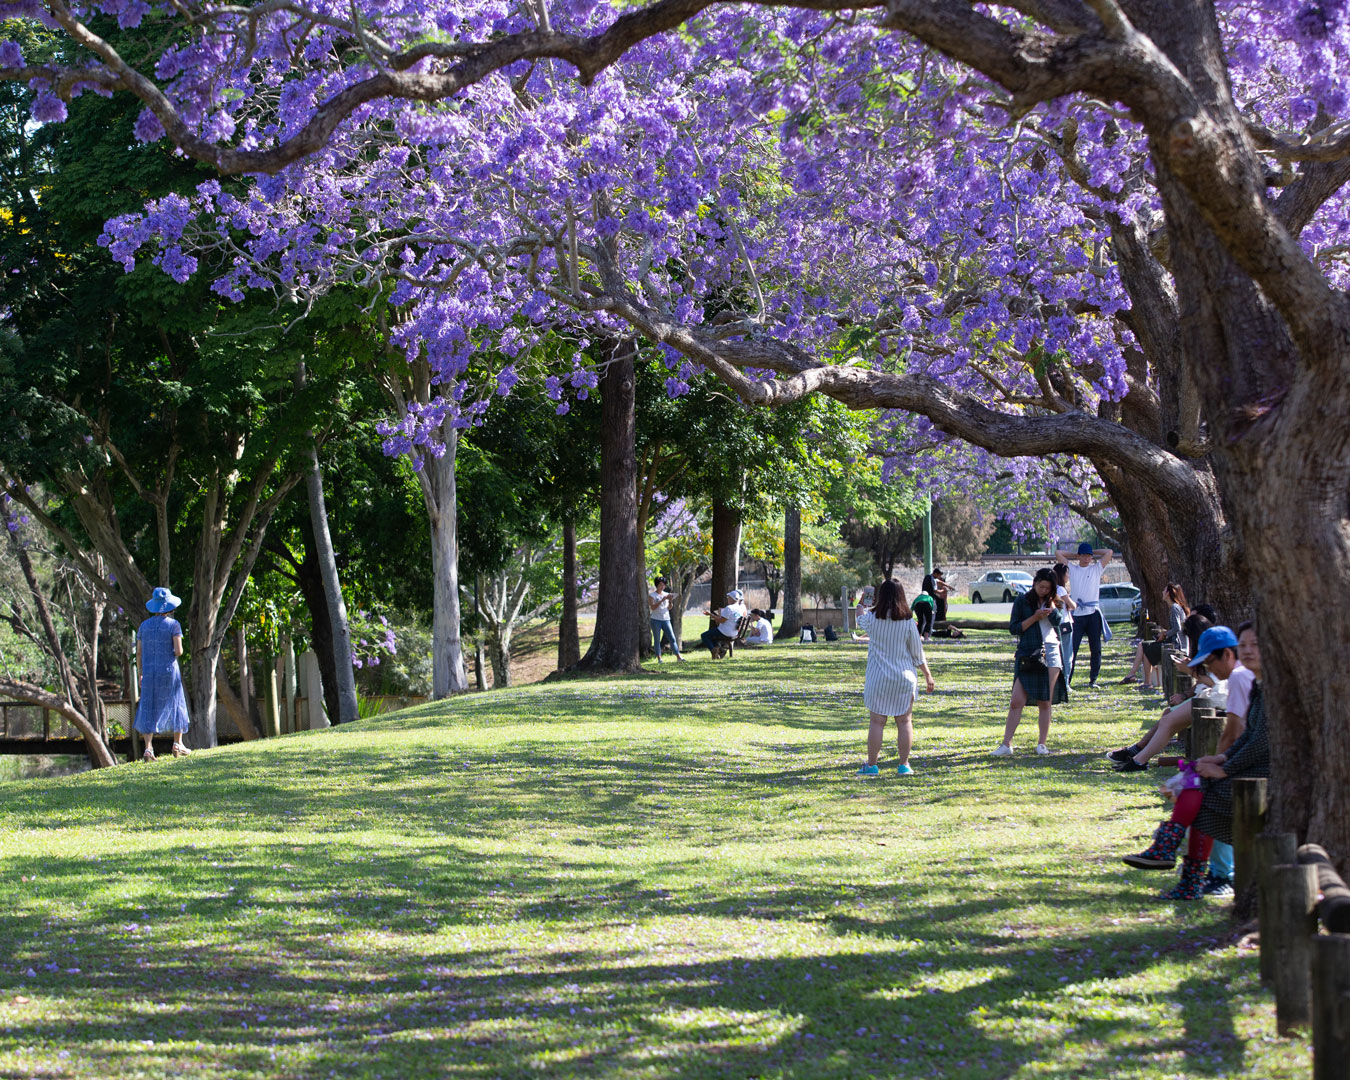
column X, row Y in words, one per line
column 1035, row 619
column 1208, row 809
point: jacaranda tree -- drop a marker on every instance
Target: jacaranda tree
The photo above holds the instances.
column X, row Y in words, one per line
column 1111, row 230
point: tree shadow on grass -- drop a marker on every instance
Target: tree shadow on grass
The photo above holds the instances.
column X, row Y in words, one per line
column 269, row 965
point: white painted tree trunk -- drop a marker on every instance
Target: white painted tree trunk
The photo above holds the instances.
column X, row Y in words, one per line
column 332, row 591
column 447, row 651
column 316, row 716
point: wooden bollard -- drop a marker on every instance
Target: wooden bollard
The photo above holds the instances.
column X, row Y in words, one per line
column 1182, row 683
column 1272, row 849
column 1331, row 1007
column 1206, row 727
column 1334, row 910
column 1291, row 922
column 1249, row 816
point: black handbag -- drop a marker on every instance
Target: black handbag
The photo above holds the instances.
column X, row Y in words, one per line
column 1031, row 665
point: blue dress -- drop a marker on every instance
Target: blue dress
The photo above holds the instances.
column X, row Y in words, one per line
column 162, row 708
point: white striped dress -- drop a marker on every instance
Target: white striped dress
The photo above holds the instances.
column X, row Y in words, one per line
column 894, row 653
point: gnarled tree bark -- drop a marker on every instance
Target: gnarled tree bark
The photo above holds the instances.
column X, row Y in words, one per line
column 615, row 645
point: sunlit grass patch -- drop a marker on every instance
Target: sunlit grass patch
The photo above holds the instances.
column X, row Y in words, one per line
column 669, row 875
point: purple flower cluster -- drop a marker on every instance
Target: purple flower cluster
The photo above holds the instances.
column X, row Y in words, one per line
column 792, row 174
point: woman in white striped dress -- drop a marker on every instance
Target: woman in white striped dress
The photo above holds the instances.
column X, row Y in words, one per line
column 894, row 654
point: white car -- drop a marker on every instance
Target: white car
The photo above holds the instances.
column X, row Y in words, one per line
column 999, row 586
column 1118, row 601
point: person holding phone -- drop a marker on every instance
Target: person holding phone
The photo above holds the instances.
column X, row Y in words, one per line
column 1036, row 620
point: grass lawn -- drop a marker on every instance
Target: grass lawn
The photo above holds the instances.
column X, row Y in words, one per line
column 675, row 875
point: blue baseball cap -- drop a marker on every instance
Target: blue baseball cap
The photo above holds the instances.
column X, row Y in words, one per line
column 1084, row 548
column 1211, row 641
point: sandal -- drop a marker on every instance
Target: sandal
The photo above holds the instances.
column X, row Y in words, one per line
column 179, row 750
column 148, row 756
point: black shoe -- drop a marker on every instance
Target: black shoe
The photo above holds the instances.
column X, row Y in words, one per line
column 1130, row 765
column 1124, row 754
column 1217, row 886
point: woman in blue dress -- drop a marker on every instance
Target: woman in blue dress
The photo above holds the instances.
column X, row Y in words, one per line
column 159, row 644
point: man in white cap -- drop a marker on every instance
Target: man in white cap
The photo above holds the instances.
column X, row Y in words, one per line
column 725, row 619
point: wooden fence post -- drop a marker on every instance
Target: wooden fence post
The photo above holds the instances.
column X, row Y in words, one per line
column 1249, row 815
column 1292, row 923
column 1272, row 849
column 1331, row 1007
column 1206, row 727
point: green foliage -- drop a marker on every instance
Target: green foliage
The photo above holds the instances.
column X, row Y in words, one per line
column 836, row 567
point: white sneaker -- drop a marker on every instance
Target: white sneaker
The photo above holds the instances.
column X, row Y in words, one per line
column 1003, row 750
column 1042, row 749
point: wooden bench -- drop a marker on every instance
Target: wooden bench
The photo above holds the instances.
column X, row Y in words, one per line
column 728, row 648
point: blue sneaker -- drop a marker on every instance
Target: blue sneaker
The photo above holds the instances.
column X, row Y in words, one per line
column 903, row 770
column 869, row 770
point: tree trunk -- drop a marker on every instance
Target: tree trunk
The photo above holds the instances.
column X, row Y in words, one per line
column 202, row 699
column 200, row 632
column 684, row 580
column 726, row 551
column 569, row 639
column 310, row 580
column 341, row 641
column 236, row 705
column 499, row 652
column 615, row 645
column 447, row 649
column 1188, row 544
column 1268, row 345
column 644, row 611
column 480, row 665
column 791, row 623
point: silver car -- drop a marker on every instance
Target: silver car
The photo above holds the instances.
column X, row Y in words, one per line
column 999, row 586
column 1118, row 601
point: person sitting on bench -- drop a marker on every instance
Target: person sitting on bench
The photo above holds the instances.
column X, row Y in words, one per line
column 716, row 637
column 1149, row 654
column 1218, row 653
column 1208, row 809
column 1178, row 709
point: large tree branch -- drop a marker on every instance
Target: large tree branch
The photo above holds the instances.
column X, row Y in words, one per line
column 20, row 690
column 957, row 414
column 470, row 63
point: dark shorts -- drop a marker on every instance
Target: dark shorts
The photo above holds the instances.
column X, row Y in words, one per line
column 1153, row 652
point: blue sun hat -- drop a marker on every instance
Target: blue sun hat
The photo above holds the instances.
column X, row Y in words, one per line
column 1084, row 548
column 162, row 600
